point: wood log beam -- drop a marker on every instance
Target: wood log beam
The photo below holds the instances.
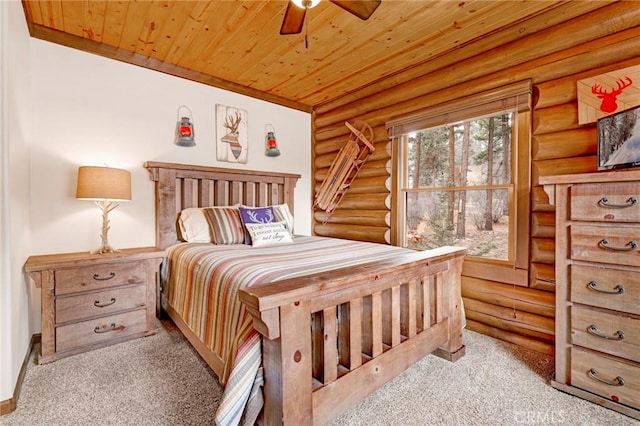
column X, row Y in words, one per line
column 524, row 299
column 543, row 277
column 543, row 225
column 511, row 337
column 510, row 319
column 563, row 166
column 543, row 250
column 564, row 144
column 350, row 232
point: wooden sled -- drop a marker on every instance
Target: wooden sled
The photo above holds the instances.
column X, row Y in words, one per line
column 345, row 167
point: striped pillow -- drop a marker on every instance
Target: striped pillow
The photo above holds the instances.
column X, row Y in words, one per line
column 226, row 225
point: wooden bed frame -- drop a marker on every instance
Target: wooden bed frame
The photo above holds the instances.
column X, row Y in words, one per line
column 367, row 323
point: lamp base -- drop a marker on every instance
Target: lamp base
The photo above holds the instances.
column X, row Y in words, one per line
column 104, row 250
column 106, row 207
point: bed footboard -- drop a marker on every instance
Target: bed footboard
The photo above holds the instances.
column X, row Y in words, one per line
column 366, row 324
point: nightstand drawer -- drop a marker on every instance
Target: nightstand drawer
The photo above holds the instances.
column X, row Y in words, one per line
column 608, row 288
column 606, row 331
column 618, row 245
column 87, row 305
column 95, row 277
column 99, row 330
column 610, row 202
column 611, row 378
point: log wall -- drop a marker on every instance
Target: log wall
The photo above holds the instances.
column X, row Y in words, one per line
column 554, row 58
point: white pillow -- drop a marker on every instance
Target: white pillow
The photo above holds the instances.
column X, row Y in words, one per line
column 283, row 213
column 263, row 234
column 193, row 225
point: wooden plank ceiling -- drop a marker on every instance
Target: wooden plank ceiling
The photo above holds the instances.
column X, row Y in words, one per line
column 236, row 45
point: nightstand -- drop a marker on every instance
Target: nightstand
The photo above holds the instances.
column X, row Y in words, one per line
column 95, row 300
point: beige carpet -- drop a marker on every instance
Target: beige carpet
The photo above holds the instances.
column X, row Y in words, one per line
column 159, row 380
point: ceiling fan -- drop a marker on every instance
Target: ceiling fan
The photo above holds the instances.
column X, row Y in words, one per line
column 297, row 10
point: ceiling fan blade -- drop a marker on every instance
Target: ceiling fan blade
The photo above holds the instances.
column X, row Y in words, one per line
column 293, row 19
column 363, row 9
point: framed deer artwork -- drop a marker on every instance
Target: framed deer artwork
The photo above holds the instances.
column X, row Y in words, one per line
column 231, row 134
column 608, row 93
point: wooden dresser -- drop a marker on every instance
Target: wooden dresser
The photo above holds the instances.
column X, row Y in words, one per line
column 94, row 300
column 598, row 287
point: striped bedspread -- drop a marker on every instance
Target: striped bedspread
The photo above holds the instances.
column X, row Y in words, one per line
column 202, row 286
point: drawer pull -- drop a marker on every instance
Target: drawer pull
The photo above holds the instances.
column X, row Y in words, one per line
column 593, row 373
column 593, row 329
column 102, row 305
column 112, row 327
column 604, row 202
column 618, row 289
column 97, row 277
column 631, row 245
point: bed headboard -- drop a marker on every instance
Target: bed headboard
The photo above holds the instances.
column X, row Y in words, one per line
column 179, row 186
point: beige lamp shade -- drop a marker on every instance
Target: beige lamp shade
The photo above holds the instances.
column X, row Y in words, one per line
column 103, row 183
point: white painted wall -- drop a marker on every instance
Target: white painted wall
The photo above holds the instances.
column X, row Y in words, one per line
column 15, row 240
column 91, row 110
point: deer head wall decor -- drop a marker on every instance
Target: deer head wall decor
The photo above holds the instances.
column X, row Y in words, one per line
column 232, row 134
column 609, row 99
column 232, row 124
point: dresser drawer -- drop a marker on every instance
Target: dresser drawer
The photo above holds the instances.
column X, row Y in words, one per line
column 606, row 331
column 618, row 245
column 608, row 288
column 609, row 202
column 99, row 276
column 599, row 374
column 99, row 330
column 87, row 305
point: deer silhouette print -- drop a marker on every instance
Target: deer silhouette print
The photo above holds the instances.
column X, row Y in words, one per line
column 232, row 124
column 609, row 99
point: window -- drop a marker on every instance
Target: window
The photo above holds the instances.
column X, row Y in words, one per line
column 462, row 176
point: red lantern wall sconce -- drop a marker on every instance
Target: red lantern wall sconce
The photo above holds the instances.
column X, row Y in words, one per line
column 271, row 145
column 185, row 134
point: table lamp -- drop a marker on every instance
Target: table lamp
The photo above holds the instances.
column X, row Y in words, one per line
column 104, row 185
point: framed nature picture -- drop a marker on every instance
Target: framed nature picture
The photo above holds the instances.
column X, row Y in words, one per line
column 619, row 140
column 231, row 134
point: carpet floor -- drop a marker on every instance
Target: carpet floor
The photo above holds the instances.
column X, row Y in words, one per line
column 160, row 380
